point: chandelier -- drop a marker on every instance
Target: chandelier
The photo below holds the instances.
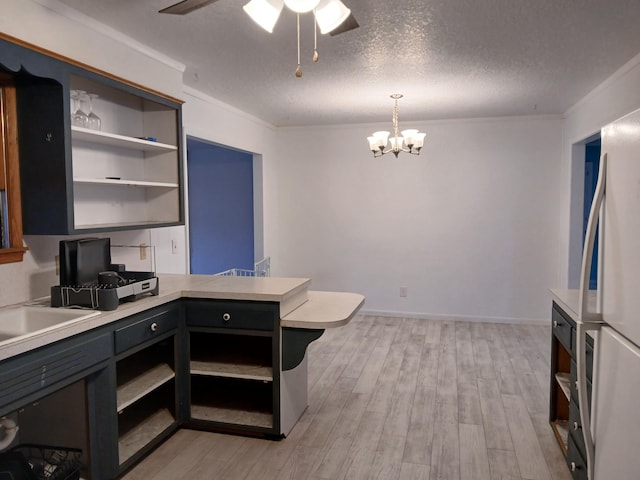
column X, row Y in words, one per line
column 328, row 14
column 411, row 140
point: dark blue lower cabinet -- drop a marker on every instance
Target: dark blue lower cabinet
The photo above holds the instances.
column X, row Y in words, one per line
column 145, row 407
column 233, row 366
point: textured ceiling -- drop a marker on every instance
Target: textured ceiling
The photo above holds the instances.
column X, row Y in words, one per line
column 450, row 58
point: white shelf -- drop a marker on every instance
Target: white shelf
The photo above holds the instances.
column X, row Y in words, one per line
column 113, row 140
column 139, row 386
column 136, row 438
column 117, row 225
column 564, row 381
column 232, row 370
column 128, row 183
column 231, row 415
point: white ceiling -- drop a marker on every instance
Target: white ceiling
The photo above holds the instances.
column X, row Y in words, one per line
column 450, row 58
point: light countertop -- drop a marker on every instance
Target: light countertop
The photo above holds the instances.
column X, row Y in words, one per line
column 569, row 301
column 322, row 309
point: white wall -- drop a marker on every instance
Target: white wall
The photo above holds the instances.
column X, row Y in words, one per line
column 469, row 226
column 614, row 98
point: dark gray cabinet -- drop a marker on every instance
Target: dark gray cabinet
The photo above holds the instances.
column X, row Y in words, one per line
column 62, row 386
column 208, row 364
column 146, row 385
column 234, row 366
column 564, row 407
column 128, row 175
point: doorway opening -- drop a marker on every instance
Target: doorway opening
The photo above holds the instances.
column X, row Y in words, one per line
column 221, row 207
column 591, row 170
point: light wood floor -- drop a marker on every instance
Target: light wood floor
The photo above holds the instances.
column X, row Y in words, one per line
column 394, row 398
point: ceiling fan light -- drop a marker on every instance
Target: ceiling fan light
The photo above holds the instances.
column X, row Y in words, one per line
column 301, row 6
column 264, row 12
column 330, row 14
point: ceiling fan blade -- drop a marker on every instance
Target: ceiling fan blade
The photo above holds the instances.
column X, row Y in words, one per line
column 186, row 6
column 349, row 24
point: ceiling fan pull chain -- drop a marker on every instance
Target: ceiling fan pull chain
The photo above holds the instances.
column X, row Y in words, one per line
column 315, row 37
column 298, row 69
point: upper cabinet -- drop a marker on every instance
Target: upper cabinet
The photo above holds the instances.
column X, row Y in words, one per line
column 125, row 175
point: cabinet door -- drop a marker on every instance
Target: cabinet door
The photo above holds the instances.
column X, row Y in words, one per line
column 39, row 372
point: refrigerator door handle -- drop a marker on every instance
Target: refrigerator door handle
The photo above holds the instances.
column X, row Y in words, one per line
column 589, row 241
column 588, row 320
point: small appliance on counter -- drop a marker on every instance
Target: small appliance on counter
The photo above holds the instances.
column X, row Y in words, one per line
column 88, row 278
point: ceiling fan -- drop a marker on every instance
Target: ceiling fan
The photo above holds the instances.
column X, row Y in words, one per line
column 331, row 16
column 299, row 6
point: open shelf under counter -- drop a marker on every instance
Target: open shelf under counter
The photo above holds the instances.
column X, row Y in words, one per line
column 561, row 430
column 125, row 183
column 138, row 386
column 115, row 140
column 231, row 415
column 234, row 401
column 232, row 370
column 142, row 433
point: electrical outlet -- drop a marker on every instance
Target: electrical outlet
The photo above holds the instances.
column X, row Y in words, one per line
column 143, row 251
column 403, row 291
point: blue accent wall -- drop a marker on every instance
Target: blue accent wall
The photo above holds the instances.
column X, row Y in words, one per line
column 591, row 172
column 221, row 220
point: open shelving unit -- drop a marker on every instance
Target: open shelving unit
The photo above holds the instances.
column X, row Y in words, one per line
column 146, row 393
column 231, row 376
column 125, row 175
column 561, row 395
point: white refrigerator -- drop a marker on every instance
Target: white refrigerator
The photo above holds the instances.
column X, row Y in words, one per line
column 612, row 434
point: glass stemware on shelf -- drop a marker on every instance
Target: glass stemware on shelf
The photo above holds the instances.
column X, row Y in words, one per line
column 94, row 121
column 78, row 117
column 81, row 102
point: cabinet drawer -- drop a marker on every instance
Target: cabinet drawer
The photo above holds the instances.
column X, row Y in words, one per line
column 575, row 428
column 575, row 462
column 233, row 314
column 31, row 372
column 146, row 326
column 562, row 328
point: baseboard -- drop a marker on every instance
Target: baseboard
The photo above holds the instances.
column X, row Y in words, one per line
column 457, row 318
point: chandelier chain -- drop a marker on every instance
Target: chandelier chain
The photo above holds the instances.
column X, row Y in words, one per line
column 395, row 119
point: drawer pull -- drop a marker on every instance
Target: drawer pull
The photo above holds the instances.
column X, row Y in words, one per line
column 154, row 327
column 576, row 426
column 226, row 317
column 573, row 467
column 555, row 324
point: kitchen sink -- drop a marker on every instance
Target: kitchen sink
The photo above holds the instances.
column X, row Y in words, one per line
column 26, row 320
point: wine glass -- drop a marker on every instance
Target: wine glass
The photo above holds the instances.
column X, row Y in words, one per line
column 78, row 117
column 94, row 121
